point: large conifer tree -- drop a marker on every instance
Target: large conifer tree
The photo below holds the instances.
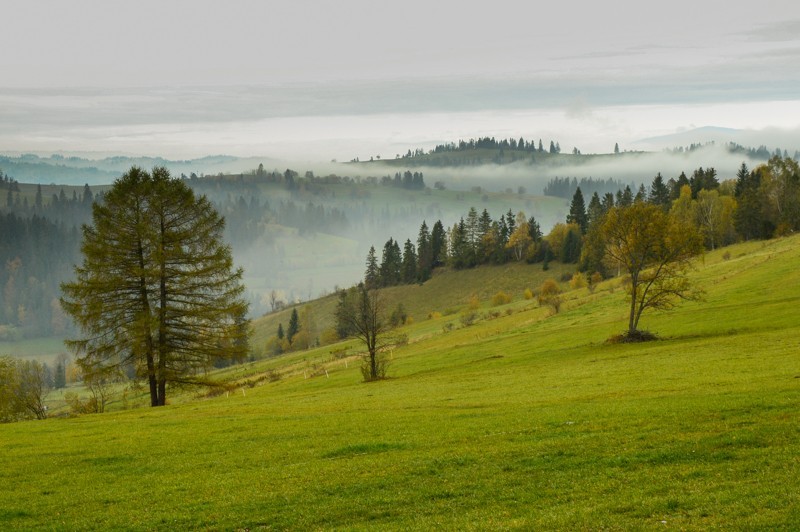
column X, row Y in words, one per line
column 157, row 290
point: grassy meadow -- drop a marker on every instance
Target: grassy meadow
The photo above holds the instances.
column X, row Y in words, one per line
column 524, row 420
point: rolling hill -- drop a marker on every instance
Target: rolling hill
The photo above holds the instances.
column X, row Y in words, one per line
column 524, row 420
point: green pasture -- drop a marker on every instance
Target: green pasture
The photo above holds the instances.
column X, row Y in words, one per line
column 525, row 420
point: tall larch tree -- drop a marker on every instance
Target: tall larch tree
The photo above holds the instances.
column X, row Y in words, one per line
column 157, row 291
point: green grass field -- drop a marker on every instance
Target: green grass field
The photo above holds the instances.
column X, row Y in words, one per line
column 521, row 421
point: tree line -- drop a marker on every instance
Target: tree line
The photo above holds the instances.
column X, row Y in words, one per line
column 490, row 143
column 759, row 203
column 564, row 187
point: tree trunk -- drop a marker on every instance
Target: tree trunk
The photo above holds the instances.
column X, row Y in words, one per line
column 632, row 321
column 162, row 391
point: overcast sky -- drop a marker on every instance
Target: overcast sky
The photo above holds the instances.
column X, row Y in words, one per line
column 355, row 78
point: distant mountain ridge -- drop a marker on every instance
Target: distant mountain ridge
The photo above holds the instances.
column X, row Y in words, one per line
column 73, row 170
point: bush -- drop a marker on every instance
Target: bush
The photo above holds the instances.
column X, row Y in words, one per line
column 474, row 303
column 528, row 294
column 399, row 316
column 78, row 405
column 434, row 315
column 594, row 280
column 273, row 347
column 550, row 295
column 578, row 281
column 468, row 317
column 500, row 298
column 329, row 336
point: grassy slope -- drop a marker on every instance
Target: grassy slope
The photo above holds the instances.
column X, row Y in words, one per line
column 524, row 421
column 444, row 293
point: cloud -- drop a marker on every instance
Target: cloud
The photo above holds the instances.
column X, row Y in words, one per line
column 781, row 31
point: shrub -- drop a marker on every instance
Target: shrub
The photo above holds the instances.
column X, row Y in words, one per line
column 528, row 294
column 78, row 405
column 474, row 303
column 329, row 336
column 468, row 317
column 578, row 281
column 500, row 298
column 399, row 315
column 274, row 347
column 434, row 315
column 594, row 280
column 550, row 295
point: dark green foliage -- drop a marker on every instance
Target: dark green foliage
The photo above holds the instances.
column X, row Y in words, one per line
column 372, row 273
column 677, row 185
column 280, row 333
column 424, row 253
column 571, row 248
column 294, row 326
column 577, row 211
column 534, row 229
column 659, row 192
column 409, row 265
column 703, row 180
column 391, row 264
column 438, row 245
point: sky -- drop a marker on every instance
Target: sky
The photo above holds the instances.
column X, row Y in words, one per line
column 320, row 80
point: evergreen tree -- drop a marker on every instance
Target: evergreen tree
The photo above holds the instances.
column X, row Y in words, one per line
column 391, row 263
column 471, row 225
column 294, row 326
column 534, row 230
column 659, row 192
column 675, row 192
column 438, row 245
column 88, row 197
column 595, row 210
column 571, row 248
column 280, row 331
column 424, row 254
column 372, row 273
column 577, row 211
column 409, row 266
column 641, row 194
column 626, row 198
column 38, row 201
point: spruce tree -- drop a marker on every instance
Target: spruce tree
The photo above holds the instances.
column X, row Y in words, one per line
column 659, row 193
column 294, row 326
column 577, row 211
column 372, row 274
column 424, row 254
column 409, row 265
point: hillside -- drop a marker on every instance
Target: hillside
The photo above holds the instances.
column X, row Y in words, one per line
column 524, row 420
column 447, row 292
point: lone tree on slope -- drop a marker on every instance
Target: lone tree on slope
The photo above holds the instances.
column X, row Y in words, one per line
column 656, row 250
column 157, row 291
column 360, row 311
